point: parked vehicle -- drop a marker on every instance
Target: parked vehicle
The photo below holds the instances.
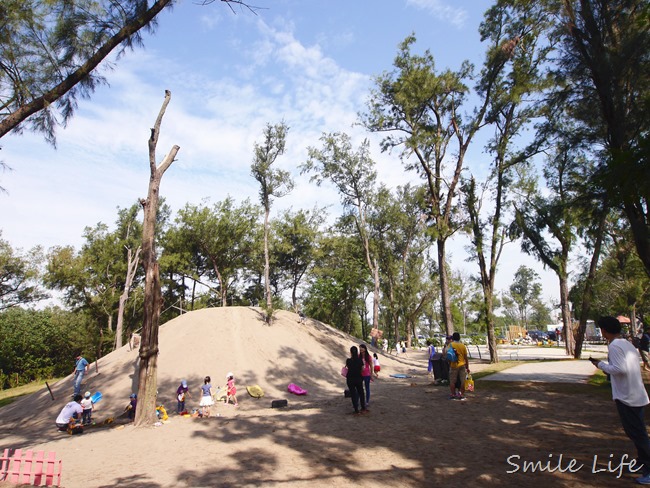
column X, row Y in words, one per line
column 538, row 335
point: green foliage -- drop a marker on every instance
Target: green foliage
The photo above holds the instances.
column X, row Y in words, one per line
column 603, row 85
column 210, row 246
column 93, row 278
column 19, row 276
column 621, row 284
column 524, row 290
column 337, row 289
column 273, row 182
column 296, row 237
column 38, row 345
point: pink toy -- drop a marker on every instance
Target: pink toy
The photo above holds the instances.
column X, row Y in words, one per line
column 296, row 390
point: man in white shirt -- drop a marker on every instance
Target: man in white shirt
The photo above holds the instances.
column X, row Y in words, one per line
column 628, row 391
column 72, row 410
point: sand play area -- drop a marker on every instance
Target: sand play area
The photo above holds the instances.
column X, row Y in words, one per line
column 413, row 435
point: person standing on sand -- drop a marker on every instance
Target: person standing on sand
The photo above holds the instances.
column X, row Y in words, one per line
column 376, row 366
column 458, row 369
column 207, row 397
column 80, row 369
column 432, row 352
column 366, row 371
column 231, row 389
column 354, row 380
column 628, row 390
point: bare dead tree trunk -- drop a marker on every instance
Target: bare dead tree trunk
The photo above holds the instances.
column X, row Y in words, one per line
column 148, row 374
column 131, row 267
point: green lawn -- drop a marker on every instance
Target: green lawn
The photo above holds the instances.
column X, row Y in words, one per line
column 11, row 394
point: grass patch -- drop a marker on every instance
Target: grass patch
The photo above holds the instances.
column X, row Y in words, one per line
column 599, row 379
column 12, row 394
column 495, row 368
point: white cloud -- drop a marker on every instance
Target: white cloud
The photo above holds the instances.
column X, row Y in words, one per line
column 218, row 110
column 102, row 159
column 441, row 10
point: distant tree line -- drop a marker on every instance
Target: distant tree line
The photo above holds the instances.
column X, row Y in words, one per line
column 572, row 74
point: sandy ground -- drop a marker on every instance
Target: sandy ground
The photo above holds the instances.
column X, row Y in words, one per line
column 413, row 435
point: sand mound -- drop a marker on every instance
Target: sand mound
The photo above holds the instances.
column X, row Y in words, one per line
column 210, row 342
column 315, row 441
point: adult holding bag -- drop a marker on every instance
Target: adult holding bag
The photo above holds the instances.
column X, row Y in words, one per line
column 458, row 367
column 354, row 380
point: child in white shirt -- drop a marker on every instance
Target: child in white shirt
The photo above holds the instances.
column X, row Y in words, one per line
column 87, row 405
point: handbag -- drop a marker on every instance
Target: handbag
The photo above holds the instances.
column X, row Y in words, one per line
column 344, row 371
column 469, row 383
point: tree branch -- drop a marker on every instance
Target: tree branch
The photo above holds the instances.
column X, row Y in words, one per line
column 241, row 3
column 14, row 119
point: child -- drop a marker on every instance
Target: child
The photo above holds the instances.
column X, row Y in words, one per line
column 375, row 364
column 130, row 408
column 87, row 405
column 231, row 390
column 181, row 392
column 207, row 395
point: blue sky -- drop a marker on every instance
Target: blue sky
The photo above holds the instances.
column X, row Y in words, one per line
column 308, row 62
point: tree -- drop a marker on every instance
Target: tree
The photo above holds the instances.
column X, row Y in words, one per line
column 337, row 284
column 420, row 109
column 39, row 344
column 540, row 314
column 398, row 226
column 50, row 52
column 132, row 262
column 19, row 276
column 91, row 280
column 214, row 245
column 148, row 372
column 297, row 239
column 99, row 278
column 273, row 183
column 603, row 84
column 353, row 174
column 524, row 290
column 463, row 291
column 514, row 42
column 548, row 223
column 622, row 285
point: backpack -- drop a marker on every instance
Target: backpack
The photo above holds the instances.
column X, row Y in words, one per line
column 452, row 357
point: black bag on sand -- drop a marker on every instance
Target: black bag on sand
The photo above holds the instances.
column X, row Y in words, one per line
column 279, row 403
column 346, row 394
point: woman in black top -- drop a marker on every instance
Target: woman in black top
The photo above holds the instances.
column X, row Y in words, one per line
column 354, row 380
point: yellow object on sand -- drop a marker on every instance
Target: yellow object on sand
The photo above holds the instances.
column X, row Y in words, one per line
column 162, row 412
column 255, row 391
